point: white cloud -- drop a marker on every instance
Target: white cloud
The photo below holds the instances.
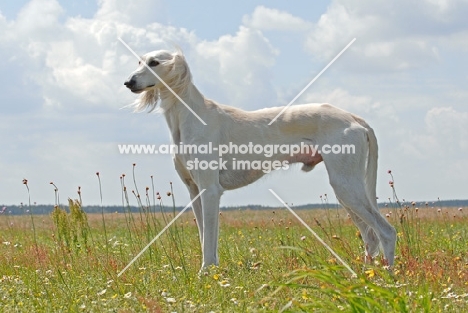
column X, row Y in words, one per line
column 449, row 127
column 240, row 65
column 445, row 136
column 138, row 13
column 390, row 36
column 268, row 19
column 37, row 18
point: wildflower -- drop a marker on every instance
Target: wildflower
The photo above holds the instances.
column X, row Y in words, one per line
column 25, row 181
column 303, row 238
column 439, row 210
column 215, row 276
column 100, row 293
column 169, row 193
column 459, row 209
column 128, row 295
column 256, row 265
column 389, row 171
column 171, row 300
column 370, row 273
column 224, row 283
column 387, row 215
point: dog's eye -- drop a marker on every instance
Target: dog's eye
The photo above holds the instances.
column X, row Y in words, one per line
column 153, row 63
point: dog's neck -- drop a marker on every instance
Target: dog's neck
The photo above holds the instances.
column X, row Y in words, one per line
column 190, row 95
column 176, row 112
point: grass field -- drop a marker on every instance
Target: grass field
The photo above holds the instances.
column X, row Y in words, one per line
column 269, row 262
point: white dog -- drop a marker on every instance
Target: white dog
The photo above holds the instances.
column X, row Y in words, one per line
column 352, row 176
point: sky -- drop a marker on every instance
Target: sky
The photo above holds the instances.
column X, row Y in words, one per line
column 62, row 111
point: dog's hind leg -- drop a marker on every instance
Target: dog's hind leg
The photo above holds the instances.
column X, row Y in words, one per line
column 370, row 238
column 347, row 174
column 351, row 192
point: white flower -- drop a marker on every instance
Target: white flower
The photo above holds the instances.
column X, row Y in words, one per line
column 171, row 300
column 128, row 295
column 100, row 293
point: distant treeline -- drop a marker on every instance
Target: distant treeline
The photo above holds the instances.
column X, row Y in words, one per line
column 47, row 209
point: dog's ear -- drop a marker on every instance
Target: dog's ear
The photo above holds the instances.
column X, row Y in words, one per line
column 180, row 76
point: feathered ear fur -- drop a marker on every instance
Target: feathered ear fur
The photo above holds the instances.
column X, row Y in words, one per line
column 179, row 77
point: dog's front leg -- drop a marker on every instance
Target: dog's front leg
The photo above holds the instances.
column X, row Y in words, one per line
column 197, row 208
column 210, row 204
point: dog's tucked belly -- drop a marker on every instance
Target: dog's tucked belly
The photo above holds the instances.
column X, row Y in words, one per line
column 232, row 178
column 308, row 160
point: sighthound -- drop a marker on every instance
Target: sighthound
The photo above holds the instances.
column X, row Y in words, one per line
column 352, row 176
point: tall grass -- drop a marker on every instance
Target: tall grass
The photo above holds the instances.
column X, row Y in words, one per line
column 269, row 262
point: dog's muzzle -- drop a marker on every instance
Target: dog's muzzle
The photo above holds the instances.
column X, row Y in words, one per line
column 131, row 84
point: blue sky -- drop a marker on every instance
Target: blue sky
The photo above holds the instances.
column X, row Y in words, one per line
column 63, row 70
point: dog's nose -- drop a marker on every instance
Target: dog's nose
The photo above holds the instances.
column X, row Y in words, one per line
column 130, row 83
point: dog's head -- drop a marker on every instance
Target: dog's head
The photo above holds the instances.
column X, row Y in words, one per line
column 157, row 72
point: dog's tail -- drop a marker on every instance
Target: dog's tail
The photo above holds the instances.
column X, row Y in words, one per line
column 372, row 157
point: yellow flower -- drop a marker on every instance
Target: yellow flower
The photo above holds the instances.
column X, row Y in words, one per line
column 215, row 276
column 370, row 273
